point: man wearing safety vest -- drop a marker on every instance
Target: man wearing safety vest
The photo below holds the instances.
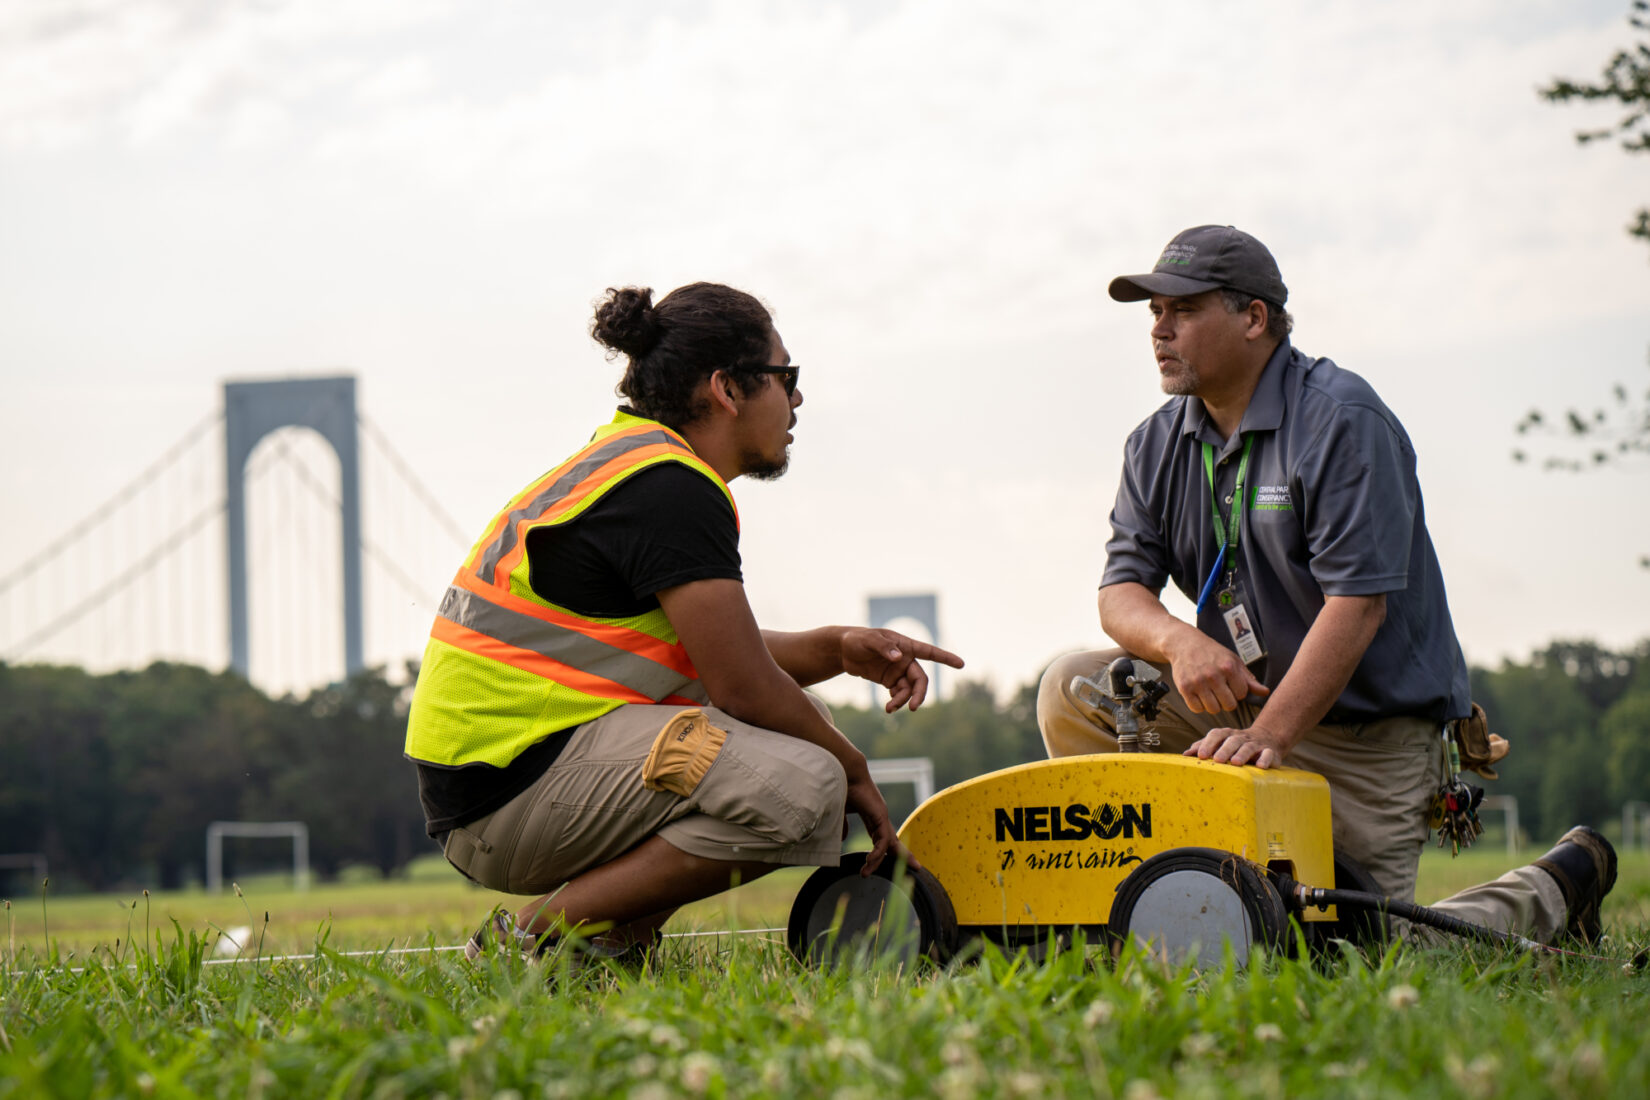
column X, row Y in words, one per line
column 1279, row 493
column 598, row 721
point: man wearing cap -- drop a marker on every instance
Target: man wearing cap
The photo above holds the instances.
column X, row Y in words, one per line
column 1279, row 493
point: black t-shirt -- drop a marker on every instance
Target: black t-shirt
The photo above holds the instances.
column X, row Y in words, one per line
column 665, row 526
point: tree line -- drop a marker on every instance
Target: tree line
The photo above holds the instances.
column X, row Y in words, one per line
column 115, row 777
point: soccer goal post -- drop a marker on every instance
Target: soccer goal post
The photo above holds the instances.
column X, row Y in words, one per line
column 215, row 832
column 25, row 861
column 915, row 770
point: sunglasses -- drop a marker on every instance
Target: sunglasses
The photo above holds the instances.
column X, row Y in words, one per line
column 787, row 376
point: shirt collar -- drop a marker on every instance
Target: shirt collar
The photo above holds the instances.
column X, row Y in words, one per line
column 1264, row 412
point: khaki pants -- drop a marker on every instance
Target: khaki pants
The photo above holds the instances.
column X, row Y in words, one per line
column 759, row 796
column 1382, row 776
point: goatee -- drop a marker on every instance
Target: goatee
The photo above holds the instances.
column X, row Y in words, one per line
column 762, row 468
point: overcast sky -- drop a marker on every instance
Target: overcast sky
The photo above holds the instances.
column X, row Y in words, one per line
column 931, row 195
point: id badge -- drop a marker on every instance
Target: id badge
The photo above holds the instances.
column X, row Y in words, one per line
column 1234, row 608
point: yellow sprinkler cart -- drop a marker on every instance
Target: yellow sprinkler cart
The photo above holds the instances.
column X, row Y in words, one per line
column 1185, row 853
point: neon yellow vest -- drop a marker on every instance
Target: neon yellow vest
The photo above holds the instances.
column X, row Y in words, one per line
column 504, row 668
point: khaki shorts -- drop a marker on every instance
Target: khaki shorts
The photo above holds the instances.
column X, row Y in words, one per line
column 707, row 783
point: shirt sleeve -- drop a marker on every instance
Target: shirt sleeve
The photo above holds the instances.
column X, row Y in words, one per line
column 671, row 525
column 1137, row 551
column 1361, row 499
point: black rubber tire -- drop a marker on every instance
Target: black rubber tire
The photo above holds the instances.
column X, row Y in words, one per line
column 1246, row 901
column 937, row 937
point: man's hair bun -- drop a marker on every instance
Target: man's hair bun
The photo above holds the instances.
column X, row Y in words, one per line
column 626, row 321
column 694, row 331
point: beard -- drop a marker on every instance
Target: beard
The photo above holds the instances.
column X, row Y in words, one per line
column 760, row 467
column 1180, row 380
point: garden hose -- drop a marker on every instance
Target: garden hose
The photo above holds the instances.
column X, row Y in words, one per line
column 1298, row 896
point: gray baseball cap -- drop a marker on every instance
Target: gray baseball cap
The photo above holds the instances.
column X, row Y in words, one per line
column 1206, row 257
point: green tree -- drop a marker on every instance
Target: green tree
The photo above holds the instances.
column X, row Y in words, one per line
column 1625, row 81
column 335, row 762
column 1625, row 731
column 179, row 738
column 1578, row 440
column 57, row 775
column 966, row 734
column 1542, row 711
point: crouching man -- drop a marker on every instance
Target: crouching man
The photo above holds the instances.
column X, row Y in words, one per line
column 598, row 722
column 1279, row 493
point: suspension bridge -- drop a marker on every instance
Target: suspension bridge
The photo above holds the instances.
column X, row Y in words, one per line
column 282, row 534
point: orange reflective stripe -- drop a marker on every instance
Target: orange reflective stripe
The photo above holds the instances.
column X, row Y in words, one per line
column 673, row 657
column 610, row 471
column 576, row 495
column 502, row 523
column 481, row 645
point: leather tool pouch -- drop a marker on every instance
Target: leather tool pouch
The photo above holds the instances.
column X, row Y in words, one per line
column 1481, row 750
column 682, row 754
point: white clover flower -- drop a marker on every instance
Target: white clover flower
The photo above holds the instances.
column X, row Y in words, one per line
column 1141, row 1089
column 1403, row 996
column 1099, row 1013
column 774, row 1076
column 1588, row 1060
column 1023, row 1083
column 1268, row 1033
column 663, row 1035
column 698, row 1070
column 959, row 1083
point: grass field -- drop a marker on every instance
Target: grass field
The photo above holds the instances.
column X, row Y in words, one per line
column 435, row 906
column 735, row 1016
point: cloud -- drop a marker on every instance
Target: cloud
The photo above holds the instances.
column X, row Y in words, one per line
column 77, row 72
column 933, row 193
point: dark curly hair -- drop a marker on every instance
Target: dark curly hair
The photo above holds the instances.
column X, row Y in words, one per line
column 1279, row 321
column 673, row 346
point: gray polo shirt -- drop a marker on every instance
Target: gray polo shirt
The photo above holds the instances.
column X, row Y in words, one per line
column 1334, row 509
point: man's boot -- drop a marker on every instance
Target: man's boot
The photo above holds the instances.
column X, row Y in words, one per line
column 1584, row 865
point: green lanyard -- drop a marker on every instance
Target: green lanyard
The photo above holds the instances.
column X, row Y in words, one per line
column 1227, row 537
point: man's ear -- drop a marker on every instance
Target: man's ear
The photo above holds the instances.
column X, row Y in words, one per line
column 1259, row 314
column 724, row 391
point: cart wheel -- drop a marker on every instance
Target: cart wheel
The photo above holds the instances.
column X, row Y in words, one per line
column 1185, row 902
column 1363, row 927
column 895, row 913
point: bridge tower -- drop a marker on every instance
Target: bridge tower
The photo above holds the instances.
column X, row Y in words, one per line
column 923, row 608
column 251, row 411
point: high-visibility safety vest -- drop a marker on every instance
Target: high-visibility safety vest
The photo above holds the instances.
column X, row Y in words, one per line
column 505, row 668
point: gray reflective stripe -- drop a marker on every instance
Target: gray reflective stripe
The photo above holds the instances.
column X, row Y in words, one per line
column 561, row 643
column 563, row 485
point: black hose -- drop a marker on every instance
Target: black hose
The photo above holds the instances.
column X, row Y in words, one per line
column 1297, row 896
column 1408, row 910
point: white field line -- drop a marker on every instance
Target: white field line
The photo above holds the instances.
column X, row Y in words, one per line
column 418, row 950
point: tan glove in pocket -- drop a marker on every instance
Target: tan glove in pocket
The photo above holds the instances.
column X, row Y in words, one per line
column 682, row 754
column 1481, row 750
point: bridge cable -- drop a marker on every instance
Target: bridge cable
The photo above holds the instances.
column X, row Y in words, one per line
column 310, row 480
column 424, row 495
column 144, row 564
column 124, row 496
